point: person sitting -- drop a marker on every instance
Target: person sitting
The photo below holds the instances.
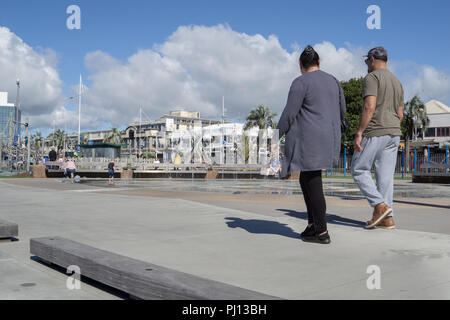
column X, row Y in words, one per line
column 156, row 161
column 274, row 167
column 69, row 168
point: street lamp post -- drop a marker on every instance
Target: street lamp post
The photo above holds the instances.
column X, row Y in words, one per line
column 79, row 112
column 17, row 127
column 27, row 135
column 130, row 139
column 1, row 151
column 26, row 125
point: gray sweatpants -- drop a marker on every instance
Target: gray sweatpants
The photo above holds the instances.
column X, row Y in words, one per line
column 381, row 153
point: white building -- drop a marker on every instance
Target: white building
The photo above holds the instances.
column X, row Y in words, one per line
column 439, row 127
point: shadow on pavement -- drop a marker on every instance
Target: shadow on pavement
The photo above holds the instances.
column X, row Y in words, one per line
column 262, row 227
column 423, row 204
column 331, row 218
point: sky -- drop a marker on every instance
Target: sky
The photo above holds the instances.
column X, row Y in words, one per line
column 173, row 55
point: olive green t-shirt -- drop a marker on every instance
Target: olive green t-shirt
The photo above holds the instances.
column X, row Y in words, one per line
column 390, row 96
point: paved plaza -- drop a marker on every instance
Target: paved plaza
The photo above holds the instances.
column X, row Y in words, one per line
column 241, row 232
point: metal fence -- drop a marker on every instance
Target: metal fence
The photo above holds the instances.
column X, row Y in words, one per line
column 417, row 159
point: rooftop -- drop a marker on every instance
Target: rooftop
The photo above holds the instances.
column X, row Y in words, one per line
column 4, row 100
column 436, row 107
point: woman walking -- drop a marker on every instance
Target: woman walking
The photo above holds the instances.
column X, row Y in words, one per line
column 311, row 122
column 111, row 172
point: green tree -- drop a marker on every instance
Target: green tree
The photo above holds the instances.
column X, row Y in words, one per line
column 84, row 138
column 260, row 117
column 57, row 138
column 354, row 101
column 415, row 121
column 114, row 136
column 36, row 140
column 149, row 155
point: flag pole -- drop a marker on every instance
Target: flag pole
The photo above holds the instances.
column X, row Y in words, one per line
column 79, row 112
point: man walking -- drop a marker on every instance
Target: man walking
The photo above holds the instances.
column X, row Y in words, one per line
column 377, row 138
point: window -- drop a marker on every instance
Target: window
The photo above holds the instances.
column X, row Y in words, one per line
column 443, row 132
column 431, row 132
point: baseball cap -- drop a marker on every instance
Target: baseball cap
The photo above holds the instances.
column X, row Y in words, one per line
column 379, row 53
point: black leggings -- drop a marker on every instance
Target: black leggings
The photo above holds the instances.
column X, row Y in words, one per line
column 311, row 184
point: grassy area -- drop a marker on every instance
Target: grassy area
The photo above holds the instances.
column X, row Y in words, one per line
column 15, row 177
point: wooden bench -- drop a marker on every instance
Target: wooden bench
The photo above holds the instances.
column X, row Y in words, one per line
column 8, row 229
column 139, row 279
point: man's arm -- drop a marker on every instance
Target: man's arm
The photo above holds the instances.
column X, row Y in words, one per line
column 370, row 103
column 400, row 113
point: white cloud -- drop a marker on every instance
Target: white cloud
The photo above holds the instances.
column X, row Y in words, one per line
column 197, row 65
column 191, row 70
column 36, row 69
column 155, row 82
column 343, row 63
column 429, row 83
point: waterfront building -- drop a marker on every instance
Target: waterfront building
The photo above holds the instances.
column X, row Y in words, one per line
column 7, row 111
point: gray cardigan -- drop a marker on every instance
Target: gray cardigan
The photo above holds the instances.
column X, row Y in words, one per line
column 311, row 122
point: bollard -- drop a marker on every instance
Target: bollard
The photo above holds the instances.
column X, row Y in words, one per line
column 415, row 160
column 446, row 157
column 403, row 162
column 345, row 162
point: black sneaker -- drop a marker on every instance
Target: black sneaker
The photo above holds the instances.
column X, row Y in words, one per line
column 310, row 231
column 323, row 239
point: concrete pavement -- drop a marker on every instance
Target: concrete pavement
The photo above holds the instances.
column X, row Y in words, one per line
column 247, row 240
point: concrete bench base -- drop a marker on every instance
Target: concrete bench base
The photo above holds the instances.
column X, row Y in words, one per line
column 8, row 229
column 126, row 174
column 211, row 174
column 137, row 278
column 39, row 171
column 431, row 178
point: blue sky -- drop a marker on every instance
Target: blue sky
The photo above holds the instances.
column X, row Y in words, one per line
column 415, row 31
column 411, row 30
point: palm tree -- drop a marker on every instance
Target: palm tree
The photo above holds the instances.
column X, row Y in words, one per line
column 84, row 139
column 415, row 118
column 114, row 136
column 57, row 138
column 36, row 140
column 260, row 117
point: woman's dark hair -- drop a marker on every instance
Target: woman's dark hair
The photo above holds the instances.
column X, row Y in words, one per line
column 309, row 57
